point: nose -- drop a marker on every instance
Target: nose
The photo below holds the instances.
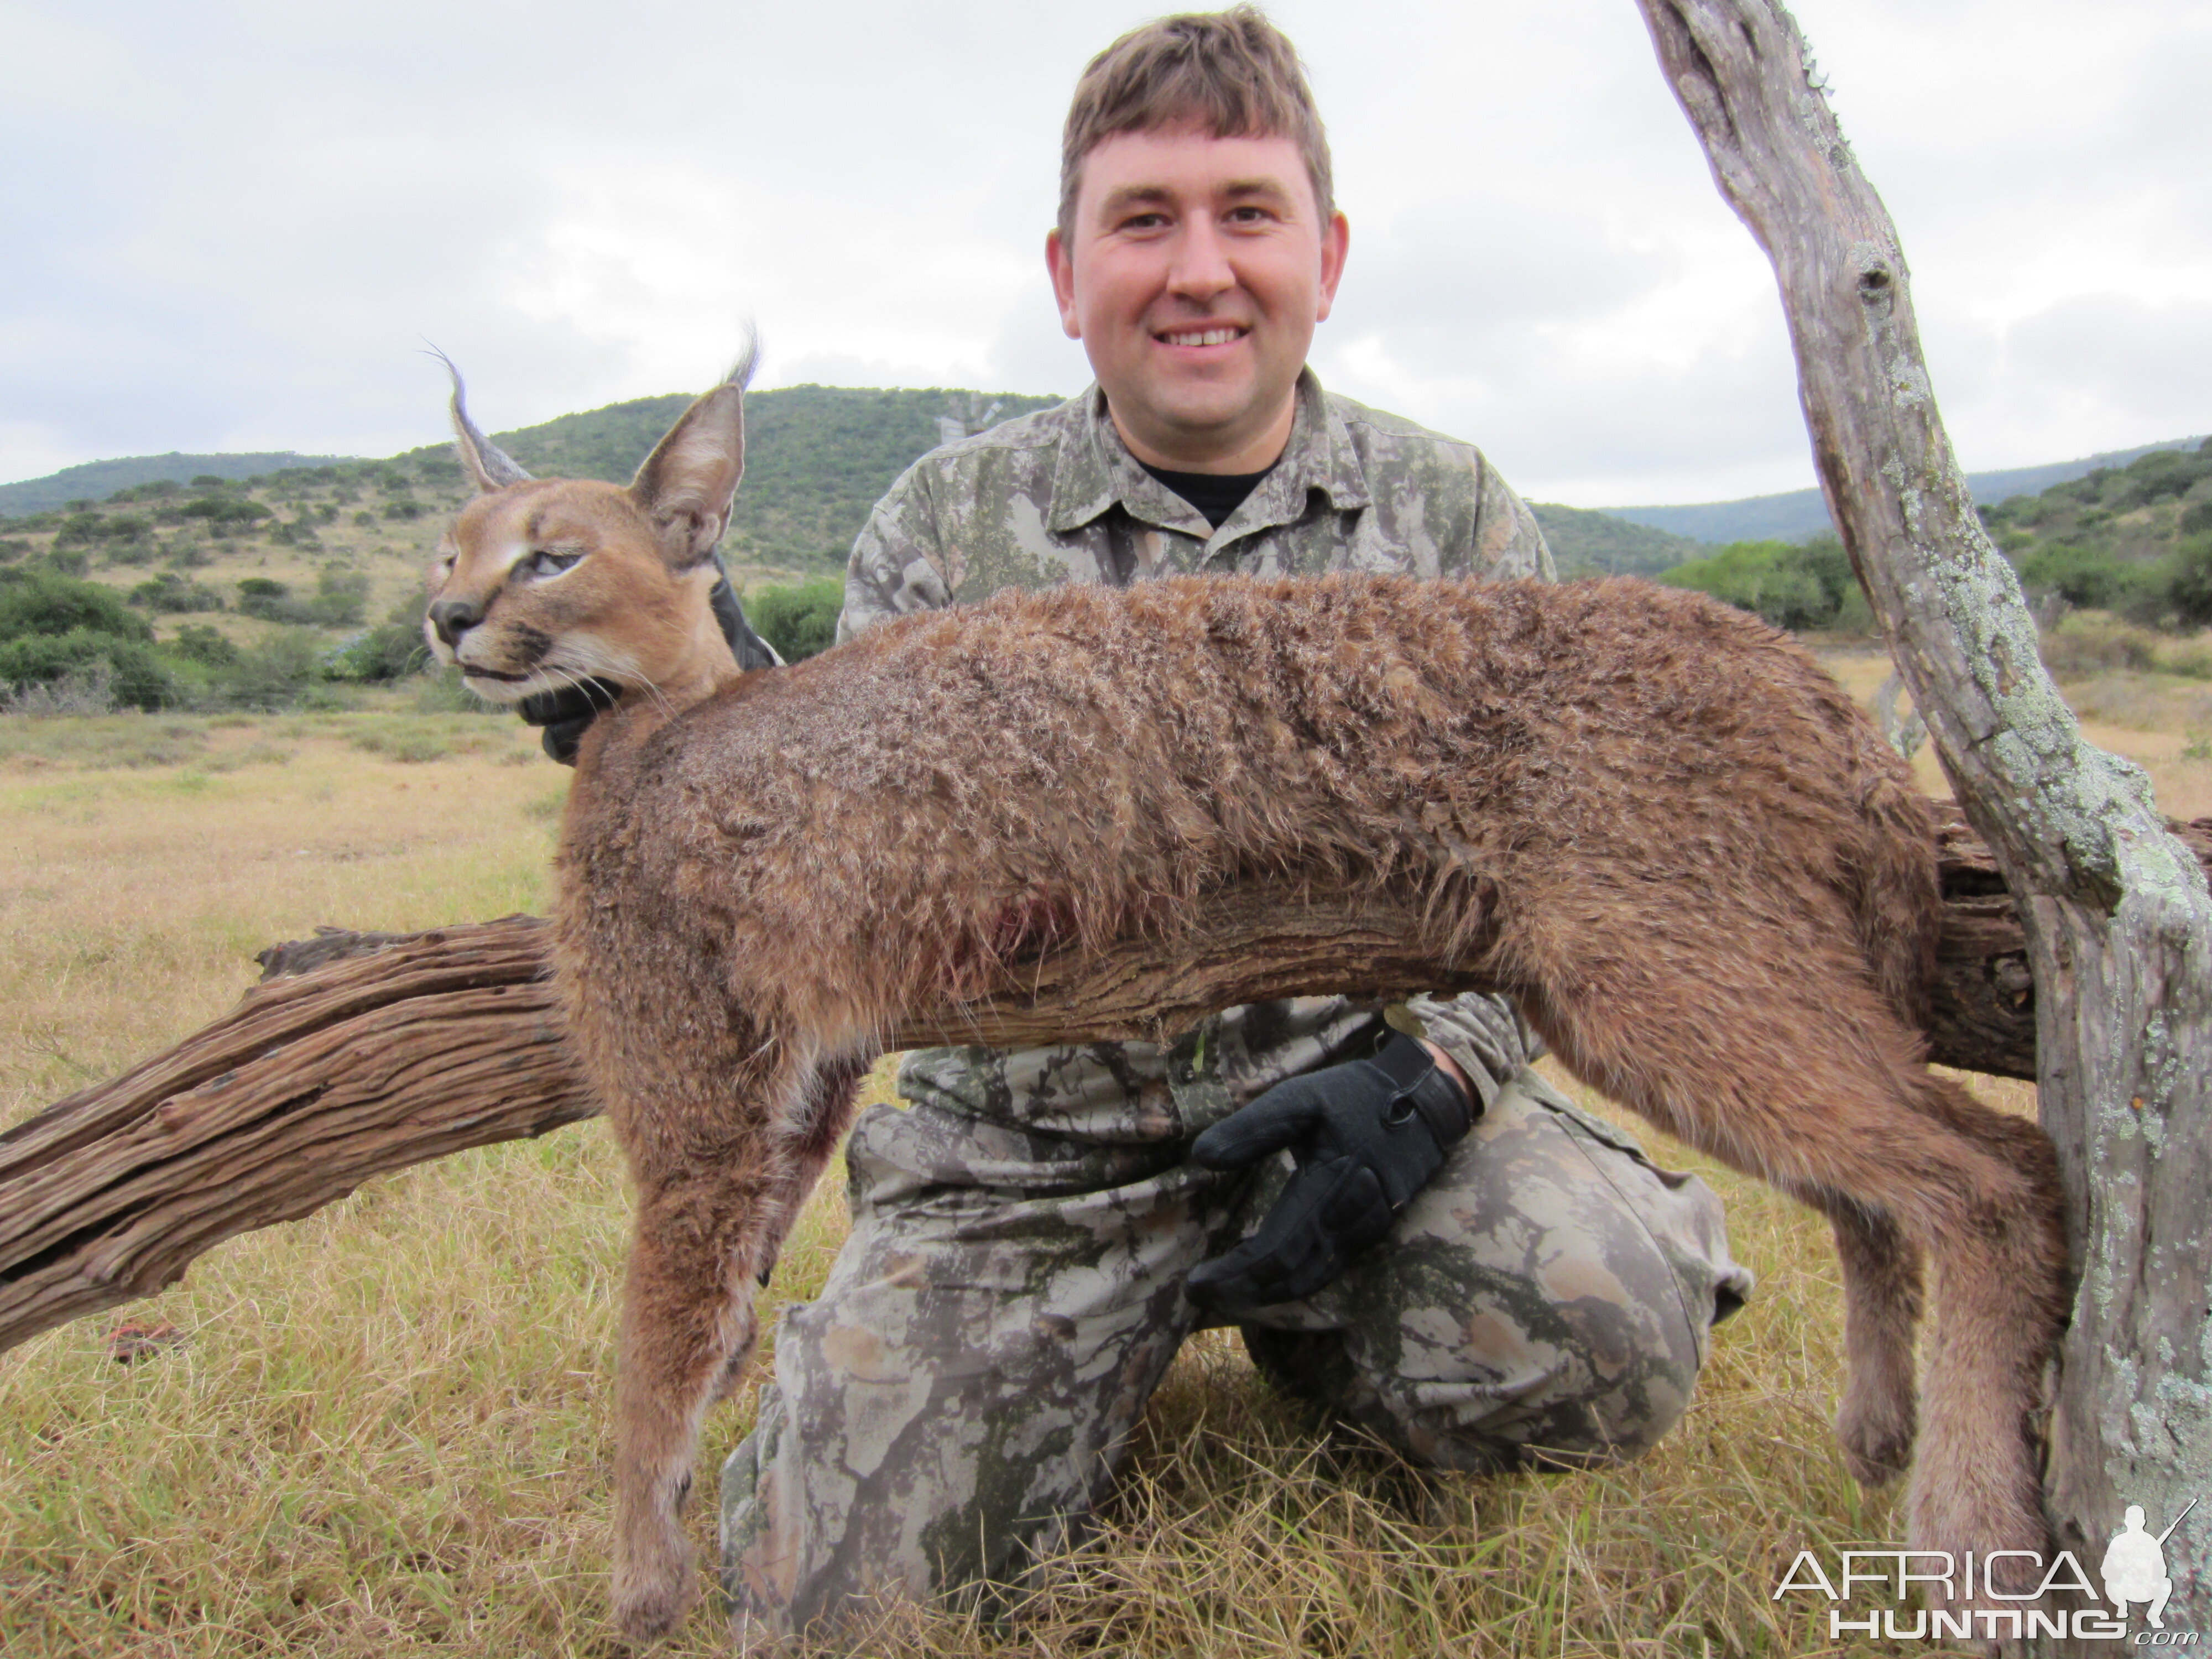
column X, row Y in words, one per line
column 454, row 618
column 1201, row 268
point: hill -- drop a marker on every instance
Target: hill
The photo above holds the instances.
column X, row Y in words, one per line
column 1584, row 542
column 818, row 457
column 2135, row 539
column 96, row 481
column 223, row 564
column 1798, row 513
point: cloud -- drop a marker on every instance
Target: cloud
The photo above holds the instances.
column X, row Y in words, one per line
column 232, row 225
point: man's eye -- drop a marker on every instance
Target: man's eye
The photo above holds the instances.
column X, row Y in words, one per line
column 544, row 564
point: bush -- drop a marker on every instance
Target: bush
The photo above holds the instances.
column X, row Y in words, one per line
column 87, row 690
column 136, row 675
column 2189, row 582
column 199, row 643
column 152, row 490
column 392, row 650
column 176, row 595
column 227, row 510
column 34, row 601
column 799, row 621
column 273, row 673
column 1793, row 586
column 2086, row 577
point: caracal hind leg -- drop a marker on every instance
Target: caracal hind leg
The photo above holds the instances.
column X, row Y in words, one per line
column 713, row 1198
column 1877, row 1420
column 827, row 1114
column 2000, row 1307
column 1805, row 1079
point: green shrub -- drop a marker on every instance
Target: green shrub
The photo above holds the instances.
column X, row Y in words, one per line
column 176, row 595
column 341, row 597
column 227, row 510
column 38, row 601
column 2189, row 582
column 799, row 621
column 201, row 644
column 1791, row 586
column 2090, row 578
column 273, row 673
column 136, row 675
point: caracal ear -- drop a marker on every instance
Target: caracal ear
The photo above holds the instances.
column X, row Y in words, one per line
column 687, row 485
column 481, row 458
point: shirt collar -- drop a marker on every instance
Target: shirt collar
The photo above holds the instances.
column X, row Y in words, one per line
column 1095, row 470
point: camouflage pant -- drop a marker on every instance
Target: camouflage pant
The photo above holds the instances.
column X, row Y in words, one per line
column 960, row 1393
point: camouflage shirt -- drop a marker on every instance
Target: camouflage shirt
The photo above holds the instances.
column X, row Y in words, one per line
column 1056, row 496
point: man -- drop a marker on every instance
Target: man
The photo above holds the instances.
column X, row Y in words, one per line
column 1036, row 1232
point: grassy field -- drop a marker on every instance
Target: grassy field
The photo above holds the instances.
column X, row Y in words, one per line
column 383, row 1430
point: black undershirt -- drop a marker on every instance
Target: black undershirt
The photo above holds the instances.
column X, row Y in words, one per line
column 1215, row 495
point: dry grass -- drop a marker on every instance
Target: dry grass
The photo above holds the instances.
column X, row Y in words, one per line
column 386, row 1429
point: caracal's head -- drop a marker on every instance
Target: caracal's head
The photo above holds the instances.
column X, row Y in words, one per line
column 542, row 583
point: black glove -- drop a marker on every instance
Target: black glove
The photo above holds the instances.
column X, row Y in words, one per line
column 565, row 713
column 1368, row 1135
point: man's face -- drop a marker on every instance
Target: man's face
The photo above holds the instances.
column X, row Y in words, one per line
column 1195, row 273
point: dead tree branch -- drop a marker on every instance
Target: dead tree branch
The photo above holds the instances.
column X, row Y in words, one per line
column 2117, row 914
column 364, row 1052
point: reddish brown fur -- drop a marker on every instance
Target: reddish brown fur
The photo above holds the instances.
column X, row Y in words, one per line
column 1655, row 821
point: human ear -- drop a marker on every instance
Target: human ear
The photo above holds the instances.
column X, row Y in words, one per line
column 1061, row 264
column 1336, row 242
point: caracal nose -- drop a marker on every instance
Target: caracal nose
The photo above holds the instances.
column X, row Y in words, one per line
column 454, row 618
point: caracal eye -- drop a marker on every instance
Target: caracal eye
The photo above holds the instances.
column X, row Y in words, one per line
column 546, row 562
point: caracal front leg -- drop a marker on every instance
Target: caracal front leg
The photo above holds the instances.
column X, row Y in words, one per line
column 704, row 1233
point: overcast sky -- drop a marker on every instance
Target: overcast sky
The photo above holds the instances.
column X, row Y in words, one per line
column 231, row 225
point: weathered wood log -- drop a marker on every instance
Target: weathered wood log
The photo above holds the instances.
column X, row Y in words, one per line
column 2118, row 915
column 364, row 1052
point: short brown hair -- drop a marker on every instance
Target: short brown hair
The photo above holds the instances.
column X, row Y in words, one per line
column 1232, row 72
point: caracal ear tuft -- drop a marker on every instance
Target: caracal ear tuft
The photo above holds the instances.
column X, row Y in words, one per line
column 481, row 458
column 687, row 485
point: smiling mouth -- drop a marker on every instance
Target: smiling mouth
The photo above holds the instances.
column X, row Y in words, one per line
column 468, row 672
column 1217, row 335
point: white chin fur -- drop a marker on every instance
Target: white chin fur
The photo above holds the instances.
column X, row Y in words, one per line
column 505, row 691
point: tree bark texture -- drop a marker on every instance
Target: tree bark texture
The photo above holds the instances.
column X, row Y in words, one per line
column 364, row 1052
column 2116, row 913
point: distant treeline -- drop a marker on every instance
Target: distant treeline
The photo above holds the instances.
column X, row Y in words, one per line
column 2135, row 540
column 68, row 645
